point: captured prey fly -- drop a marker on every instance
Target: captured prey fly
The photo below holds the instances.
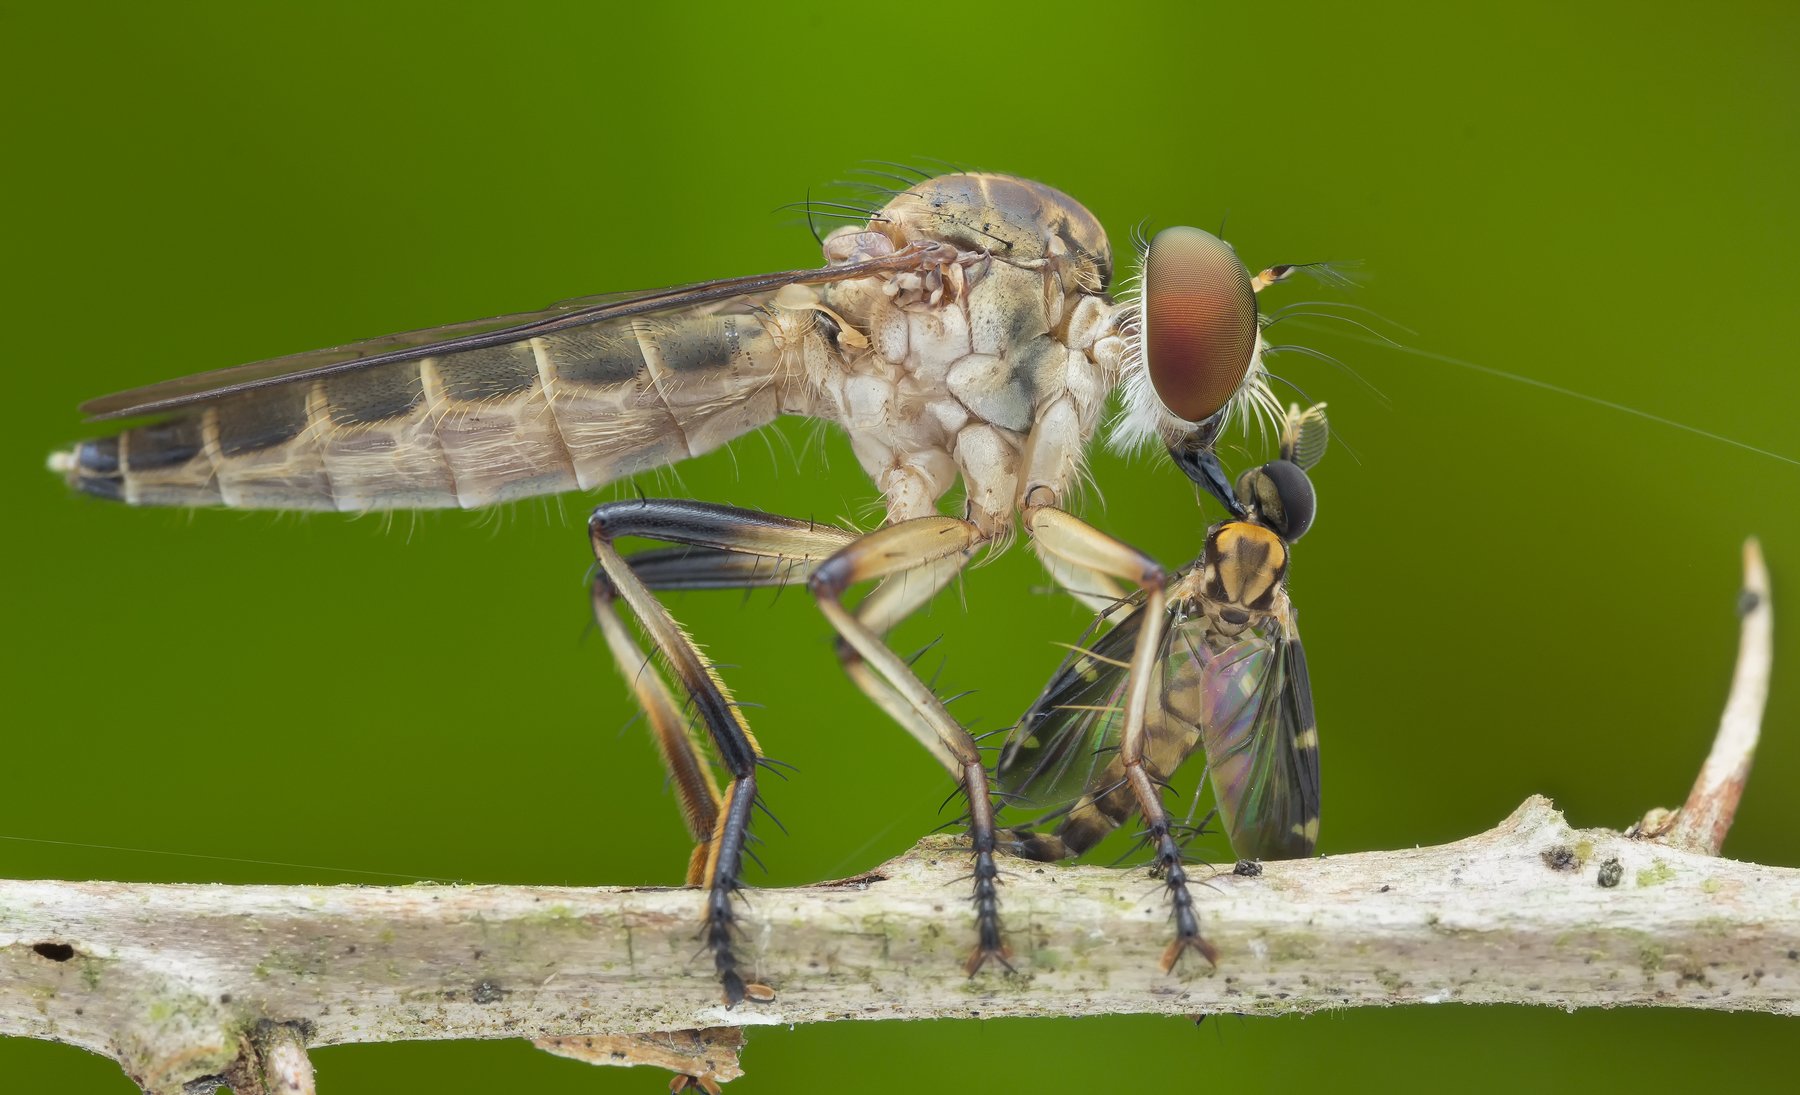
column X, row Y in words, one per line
column 963, row 331
column 1228, row 678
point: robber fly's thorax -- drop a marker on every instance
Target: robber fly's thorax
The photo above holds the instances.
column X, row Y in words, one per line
column 983, row 350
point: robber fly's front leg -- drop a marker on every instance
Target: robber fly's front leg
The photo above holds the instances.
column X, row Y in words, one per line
column 1084, row 547
column 718, row 862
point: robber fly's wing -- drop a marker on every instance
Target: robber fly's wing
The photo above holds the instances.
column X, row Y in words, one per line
column 1072, row 730
column 459, row 337
column 1262, row 749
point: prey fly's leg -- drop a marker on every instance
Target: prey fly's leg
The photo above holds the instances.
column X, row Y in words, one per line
column 707, row 527
column 940, row 547
column 1081, row 545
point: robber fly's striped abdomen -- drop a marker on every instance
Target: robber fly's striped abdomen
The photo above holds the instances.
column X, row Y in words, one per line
column 571, row 409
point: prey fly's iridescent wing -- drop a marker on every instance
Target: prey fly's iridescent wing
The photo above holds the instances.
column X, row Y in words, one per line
column 1262, row 746
column 1066, row 738
column 1063, row 756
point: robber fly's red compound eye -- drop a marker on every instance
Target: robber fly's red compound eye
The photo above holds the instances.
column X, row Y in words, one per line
column 1199, row 321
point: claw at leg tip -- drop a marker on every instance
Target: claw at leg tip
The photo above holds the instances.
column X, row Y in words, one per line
column 1181, row 945
column 980, row 955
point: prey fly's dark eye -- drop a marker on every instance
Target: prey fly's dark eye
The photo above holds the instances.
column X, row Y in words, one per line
column 1282, row 497
column 1199, row 319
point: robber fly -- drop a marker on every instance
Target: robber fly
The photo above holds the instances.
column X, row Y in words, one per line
column 1228, row 677
column 963, row 331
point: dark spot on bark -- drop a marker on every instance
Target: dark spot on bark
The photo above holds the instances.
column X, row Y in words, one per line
column 224, row 998
column 1611, row 871
column 1247, row 868
column 55, row 952
column 1560, row 857
column 487, row 991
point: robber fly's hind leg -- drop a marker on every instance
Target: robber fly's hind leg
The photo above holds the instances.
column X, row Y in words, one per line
column 687, row 568
column 695, row 788
column 707, row 527
column 915, row 559
column 1081, row 545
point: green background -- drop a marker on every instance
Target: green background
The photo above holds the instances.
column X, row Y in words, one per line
column 1508, row 591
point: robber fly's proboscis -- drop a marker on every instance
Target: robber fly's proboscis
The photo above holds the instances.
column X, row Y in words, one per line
column 1229, row 681
column 963, row 333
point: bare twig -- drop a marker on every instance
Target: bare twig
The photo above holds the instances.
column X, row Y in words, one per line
column 281, row 1051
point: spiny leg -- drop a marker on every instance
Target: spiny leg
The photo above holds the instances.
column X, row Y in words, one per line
column 707, row 527
column 695, row 788
column 890, row 554
column 1081, row 545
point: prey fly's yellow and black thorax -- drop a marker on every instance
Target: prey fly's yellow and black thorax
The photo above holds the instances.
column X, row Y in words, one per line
column 1241, row 570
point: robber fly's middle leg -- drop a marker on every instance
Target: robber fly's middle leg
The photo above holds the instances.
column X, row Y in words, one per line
column 914, row 559
column 1085, row 549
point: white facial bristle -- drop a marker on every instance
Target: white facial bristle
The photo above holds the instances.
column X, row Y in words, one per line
column 1142, row 419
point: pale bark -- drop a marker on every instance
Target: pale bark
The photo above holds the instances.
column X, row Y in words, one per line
column 181, row 983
